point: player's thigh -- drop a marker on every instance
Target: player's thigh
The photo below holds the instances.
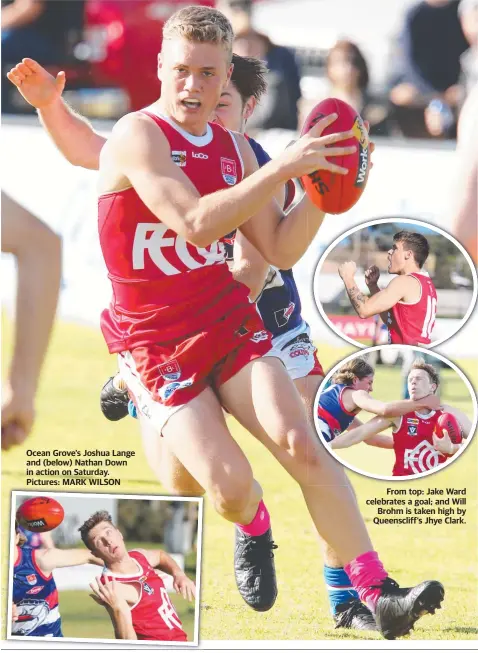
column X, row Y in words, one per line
column 307, row 386
column 166, row 466
column 264, row 399
column 198, row 436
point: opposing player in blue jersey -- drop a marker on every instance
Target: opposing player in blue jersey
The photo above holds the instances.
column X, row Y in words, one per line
column 35, row 609
column 350, row 392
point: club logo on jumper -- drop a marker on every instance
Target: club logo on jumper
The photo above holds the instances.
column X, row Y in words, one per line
column 412, row 429
column 361, row 135
column 31, row 614
column 260, row 335
column 35, row 590
column 36, row 523
column 170, row 370
column 147, row 588
column 200, row 155
column 31, row 579
column 179, row 157
column 169, row 389
column 283, row 315
column 229, row 172
column 422, row 458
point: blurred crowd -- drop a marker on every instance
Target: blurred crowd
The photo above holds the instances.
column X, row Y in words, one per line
column 433, row 63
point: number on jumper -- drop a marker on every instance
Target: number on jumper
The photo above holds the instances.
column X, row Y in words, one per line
column 429, row 322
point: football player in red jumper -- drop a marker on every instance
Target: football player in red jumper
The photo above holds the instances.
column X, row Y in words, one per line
column 408, row 305
column 144, row 609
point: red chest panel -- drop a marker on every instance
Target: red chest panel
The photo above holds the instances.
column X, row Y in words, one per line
column 412, row 324
column 413, row 445
column 164, row 287
column 154, row 617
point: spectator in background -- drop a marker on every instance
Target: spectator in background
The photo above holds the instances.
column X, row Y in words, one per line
column 278, row 108
column 424, row 82
column 468, row 14
column 348, row 80
column 38, row 253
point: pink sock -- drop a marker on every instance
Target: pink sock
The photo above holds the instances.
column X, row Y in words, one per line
column 364, row 571
column 260, row 524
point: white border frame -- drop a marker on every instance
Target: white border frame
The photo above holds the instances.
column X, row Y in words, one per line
column 418, row 350
column 397, row 220
column 83, row 495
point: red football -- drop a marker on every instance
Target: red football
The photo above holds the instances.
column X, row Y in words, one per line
column 450, row 423
column 331, row 192
column 40, row 514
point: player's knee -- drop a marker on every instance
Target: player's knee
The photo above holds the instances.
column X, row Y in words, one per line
column 232, row 495
column 302, row 447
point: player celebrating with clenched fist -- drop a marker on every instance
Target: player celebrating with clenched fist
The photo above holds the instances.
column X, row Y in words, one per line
column 408, row 304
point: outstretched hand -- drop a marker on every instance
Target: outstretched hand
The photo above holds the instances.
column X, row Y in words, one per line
column 37, row 86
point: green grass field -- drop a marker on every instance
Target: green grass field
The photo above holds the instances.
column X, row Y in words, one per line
column 68, row 415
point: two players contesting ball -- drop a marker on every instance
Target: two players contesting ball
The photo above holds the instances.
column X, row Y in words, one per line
column 129, row 587
column 424, row 431
column 163, row 213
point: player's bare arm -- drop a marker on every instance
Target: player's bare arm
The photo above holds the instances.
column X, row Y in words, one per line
column 72, row 134
column 283, row 242
column 364, row 433
column 138, row 155
column 108, row 595
column 249, row 266
column 164, row 562
column 54, row 558
column 361, row 399
column 372, row 275
column 38, row 252
column 367, row 306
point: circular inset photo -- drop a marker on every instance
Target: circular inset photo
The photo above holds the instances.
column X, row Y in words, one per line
column 395, row 281
column 395, row 412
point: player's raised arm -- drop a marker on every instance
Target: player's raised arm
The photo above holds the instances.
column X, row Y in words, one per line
column 139, row 152
column 363, row 433
column 107, row 595
column 372, row 275
column 363, row 400
column 164, row 562
column 72, row 134
column 378, row 303
column 51, row 559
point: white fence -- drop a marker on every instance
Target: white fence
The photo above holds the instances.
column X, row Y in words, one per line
column 408, row 180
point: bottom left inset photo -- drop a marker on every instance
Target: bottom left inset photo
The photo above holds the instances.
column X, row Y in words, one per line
column 106, row 567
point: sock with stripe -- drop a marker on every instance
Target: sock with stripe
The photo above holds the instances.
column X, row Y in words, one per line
column 339, row 587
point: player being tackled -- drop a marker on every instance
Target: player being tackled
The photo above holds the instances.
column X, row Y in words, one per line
column 420, row 444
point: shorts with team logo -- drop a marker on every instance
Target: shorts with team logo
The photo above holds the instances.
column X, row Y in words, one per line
column 162, row 378
column 296, row 351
